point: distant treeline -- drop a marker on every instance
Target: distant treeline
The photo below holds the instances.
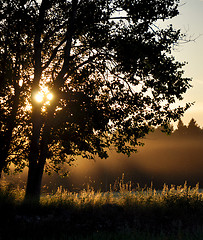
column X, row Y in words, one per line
column 192, row 130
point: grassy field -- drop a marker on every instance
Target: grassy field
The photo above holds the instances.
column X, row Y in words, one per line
column 173, row 213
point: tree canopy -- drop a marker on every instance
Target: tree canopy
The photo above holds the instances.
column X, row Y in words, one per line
column 109, row 67
column 15, row 63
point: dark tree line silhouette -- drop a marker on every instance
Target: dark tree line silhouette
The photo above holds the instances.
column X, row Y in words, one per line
column 192, row 130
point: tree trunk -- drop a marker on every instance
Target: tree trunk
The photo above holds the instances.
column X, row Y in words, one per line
column 35, row 175
column 33, row 180
column 37, row 160
column 33, row 188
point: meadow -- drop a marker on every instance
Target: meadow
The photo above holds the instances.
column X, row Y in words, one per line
column 123, row 212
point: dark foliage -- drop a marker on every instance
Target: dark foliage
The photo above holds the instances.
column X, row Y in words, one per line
column 110, row 71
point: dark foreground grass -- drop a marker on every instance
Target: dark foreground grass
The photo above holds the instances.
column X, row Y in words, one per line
column 173, row 213
column 104, row 235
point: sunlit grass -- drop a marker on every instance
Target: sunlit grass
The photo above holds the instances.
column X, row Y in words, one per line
column 123, row 195
column 126, row 197
column 121, row 213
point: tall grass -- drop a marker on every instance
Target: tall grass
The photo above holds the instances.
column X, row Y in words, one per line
column 123, row 195
column 121, row 213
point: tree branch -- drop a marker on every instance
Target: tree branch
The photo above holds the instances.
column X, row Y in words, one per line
column 51, row 33
column 55, row 51
column 67, row 48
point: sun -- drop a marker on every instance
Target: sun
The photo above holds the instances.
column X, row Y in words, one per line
column 49, row 96
column 43, row 96
column 39, row 97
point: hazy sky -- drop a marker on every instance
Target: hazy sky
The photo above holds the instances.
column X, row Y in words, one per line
column 190, row 21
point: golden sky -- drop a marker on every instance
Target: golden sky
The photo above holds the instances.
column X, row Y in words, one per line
column 190, row 21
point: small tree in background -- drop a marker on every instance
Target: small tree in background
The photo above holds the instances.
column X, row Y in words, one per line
column 181, row 128
column 193, row 128
column 111, row 74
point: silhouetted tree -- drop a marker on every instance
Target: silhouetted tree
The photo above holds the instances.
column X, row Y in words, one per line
column 111, row 74
column 193, row 129
column 181, row 129
column 14, row 61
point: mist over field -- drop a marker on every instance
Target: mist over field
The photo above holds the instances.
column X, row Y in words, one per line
column 170, row 162
column 170, row 159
